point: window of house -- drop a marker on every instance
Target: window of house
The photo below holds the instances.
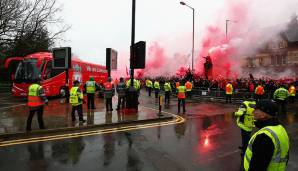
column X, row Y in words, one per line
column 261, row 61
column 282, row 44
column 284, row 59
column 250, row 62
column 278, row 60
column 273, row 60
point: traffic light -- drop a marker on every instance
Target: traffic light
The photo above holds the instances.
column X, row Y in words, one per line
column 138, row 55
column 61, row 58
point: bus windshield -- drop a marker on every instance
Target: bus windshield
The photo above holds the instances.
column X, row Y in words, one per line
column 27, row 71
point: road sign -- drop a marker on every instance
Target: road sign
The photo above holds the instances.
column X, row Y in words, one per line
column 111, row 59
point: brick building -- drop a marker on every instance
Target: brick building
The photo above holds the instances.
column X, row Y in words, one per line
column 278, row 55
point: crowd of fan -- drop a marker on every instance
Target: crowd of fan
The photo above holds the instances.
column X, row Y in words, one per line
column 245, row 84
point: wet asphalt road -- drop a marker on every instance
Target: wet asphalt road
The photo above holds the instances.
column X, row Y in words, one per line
column 208, row 140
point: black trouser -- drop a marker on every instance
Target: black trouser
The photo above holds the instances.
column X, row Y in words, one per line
column 32, row 111
column 188, row 94
column 109, row 104
column 149, row 91
column 121, row 101
column 183, row 105
column 292, row 99
column 258, row 97
column 167, row 97
column 67, row 95
column 156, row 93
column 228, row 98
column 90, row 100
column 79, row 110
column 245, row 135
column 282, row 108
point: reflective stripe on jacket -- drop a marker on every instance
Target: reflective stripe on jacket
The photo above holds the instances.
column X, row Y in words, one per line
column 229, row 89
column 167, row 86
column 280, row 155
column 75, row 97
column 156, row 85
column 136, row 84
column 150, row 84
column 292, row 91
column 245, row 115
column 188, row 86
column 259, row 90
column 108, row 90
column 34, row 99
column 90, row 87
column 281, row 94
column 181, row 92
column 177, row 85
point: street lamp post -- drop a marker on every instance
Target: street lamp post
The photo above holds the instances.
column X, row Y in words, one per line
column 193, row 31
column 132, row 41
column 227, row 22
column 227, row 28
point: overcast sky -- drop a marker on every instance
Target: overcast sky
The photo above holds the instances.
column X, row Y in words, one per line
column 98, row 24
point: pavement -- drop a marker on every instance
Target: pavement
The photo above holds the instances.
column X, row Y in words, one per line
column 57, row 117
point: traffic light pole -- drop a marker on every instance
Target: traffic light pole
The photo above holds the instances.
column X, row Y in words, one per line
column 132, row 96
column 132, row 42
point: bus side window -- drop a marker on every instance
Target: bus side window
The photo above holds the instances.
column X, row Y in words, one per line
column 48, row 70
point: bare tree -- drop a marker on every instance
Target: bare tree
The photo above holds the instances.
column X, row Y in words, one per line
column 22, row 22
column 11, row 12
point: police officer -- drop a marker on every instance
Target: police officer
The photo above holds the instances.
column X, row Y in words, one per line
column 76, row 99
column 245, row 121
column 109, row 92
column 259, row 92
column 36, row 101
column 133, row 102
column 168, row 90
column 229, row 92
column 280, row 96
column 292, row 92
column 90, row 88
column 121, row 88
column 181, row 96
column 136, row 85
column 149, row 87
column 188, row 86
column 156, row 88
column 146, row 83
column 268, row 149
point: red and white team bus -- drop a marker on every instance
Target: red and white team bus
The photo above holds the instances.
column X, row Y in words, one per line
column 39, row 65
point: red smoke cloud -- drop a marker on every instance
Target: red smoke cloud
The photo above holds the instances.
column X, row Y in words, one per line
column 158, row 63
column 214, row 42
column 225, row 51
column 224, row 48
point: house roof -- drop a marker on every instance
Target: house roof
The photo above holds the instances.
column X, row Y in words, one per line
column 291, row 33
